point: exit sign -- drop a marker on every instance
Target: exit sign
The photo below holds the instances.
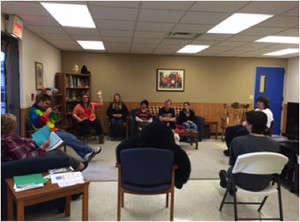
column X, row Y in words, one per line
column 15, row 26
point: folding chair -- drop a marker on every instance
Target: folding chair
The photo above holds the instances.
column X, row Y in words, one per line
column 257, row 163
column 146, row 171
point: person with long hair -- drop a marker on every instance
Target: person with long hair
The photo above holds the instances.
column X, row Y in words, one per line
column 117, row 113
column 84, row 113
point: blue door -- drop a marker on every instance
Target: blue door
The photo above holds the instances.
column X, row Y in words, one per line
column 269, row 83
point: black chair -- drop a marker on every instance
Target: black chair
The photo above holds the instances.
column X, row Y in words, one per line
column 257, row 163
column 146, row 171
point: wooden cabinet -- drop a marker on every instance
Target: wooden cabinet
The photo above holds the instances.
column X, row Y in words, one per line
column 71, row 86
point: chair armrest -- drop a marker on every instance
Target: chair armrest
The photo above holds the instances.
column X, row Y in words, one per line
column 200, row 121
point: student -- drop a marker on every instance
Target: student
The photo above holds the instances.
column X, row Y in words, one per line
column 166, row 114
column 256, row 141
column 41, row 113
column 263, row 105
column 14, row 147
column 187, row 118
column 158, row 135
column 84, row 113
column 117, row 113
column 143, row 116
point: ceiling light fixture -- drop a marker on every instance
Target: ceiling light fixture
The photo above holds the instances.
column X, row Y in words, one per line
column 279, row 39
column 93, row 45
column 282, row 52
column 192, row 48
column 70, row 15
column 238, row 22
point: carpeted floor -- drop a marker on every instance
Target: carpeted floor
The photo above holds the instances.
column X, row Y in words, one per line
column 206, row 162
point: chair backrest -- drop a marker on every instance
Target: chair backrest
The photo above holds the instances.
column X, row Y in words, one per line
column 146, row 166
column 260, row 163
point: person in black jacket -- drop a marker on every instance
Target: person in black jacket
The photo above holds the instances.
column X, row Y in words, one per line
column 158, row 135
column 187, row 118
column 117, row 113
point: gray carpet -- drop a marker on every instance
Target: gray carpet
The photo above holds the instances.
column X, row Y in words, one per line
column 206, row 161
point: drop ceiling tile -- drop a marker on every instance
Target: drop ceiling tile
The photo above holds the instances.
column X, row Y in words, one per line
column 45, row 29
column 191, row 28
column 123, row 14
column 280, row 21
column 125, row 4
column 80, row 31
column 218, row 6
column 114, row 24
column 38, row 20
column 116, row 33
column 147, row 34
column 177, row 5
column 152, row 26
column 206, row 18
column 148, row 15
column 269, row 7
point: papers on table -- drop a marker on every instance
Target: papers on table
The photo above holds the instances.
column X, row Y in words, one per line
column 29, row 181
column 67, row 179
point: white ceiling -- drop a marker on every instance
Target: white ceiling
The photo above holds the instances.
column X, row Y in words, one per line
column 143, row 27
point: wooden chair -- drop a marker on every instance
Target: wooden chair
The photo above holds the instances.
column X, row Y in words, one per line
column 92, row 132
column 233, row 115
column 146, row 171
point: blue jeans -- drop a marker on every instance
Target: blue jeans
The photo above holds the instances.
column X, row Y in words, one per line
column 70, row 140
column 116, row 125
column 190, row 126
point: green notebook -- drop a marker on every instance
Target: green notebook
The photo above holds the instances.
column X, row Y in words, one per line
column 29, row 180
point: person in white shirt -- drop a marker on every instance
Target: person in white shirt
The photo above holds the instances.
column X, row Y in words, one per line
column 263, row 105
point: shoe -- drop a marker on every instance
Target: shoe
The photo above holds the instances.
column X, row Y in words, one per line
column 85, row 163
column 76, row 196
column 223, row 178
column 226, row 152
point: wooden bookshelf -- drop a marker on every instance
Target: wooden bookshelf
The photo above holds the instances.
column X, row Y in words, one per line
column 71, row 86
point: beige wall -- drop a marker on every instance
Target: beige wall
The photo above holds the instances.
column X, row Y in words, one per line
column 292, row 81
column 207, row 79
column 34, row 49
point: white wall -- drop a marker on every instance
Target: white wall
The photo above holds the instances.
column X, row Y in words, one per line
column 292, row 81
column 35, row 49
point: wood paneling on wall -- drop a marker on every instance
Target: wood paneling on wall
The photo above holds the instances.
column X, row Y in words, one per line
column 210, row 111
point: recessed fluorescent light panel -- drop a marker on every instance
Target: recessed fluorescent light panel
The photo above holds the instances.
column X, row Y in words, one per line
column 70, row 15
column 93, row 45
column 238, row 22
column 279, row 39
column 282, row 52
column 192, row 48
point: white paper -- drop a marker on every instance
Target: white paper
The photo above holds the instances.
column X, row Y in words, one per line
column 67, row 179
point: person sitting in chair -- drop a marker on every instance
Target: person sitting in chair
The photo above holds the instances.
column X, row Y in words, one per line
column 143, row 116
column 256, row 141
column 187, row 118
column 166, row 114
column 263, row 105
column 41, row 114
column 14, row 147
column 84, row 113
column 158, row 135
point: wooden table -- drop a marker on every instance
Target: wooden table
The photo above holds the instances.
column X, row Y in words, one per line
column 193, row 137
column 48, row 192
column 215, row 123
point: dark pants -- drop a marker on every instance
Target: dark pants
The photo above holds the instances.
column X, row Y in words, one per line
column 116, row 127
column 250, row 181
column 234, row 131
column 87, row 125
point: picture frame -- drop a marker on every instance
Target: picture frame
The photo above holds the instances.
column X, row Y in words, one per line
column 170, row 80
column 39, row 75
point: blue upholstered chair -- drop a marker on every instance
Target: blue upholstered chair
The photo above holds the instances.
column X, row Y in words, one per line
column 146, row 171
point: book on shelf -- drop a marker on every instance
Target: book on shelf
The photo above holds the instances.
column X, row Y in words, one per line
column 29, row 181
column 43, row 135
